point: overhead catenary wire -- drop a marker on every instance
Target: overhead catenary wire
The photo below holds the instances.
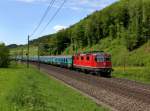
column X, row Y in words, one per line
column 52, row 18
column 43, row 17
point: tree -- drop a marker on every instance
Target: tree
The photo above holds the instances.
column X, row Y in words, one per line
column 4, row 56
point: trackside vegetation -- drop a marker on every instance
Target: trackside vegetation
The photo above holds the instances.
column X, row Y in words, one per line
column 4, row 56
column 133, row 65
column 24, row 89
column 141, row 74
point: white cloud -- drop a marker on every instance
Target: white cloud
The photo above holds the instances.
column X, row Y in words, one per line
column 88, row 5
column 31, row 1
column 75, row 8
column 28, row 1
column 59, row 27
column 76, row 5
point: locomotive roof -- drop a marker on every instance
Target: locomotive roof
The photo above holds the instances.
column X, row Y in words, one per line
column 93, row 53
column 59, row 56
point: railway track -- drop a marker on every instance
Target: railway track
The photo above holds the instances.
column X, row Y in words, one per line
column 119, row 94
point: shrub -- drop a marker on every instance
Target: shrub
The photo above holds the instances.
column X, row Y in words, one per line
column 4, row 56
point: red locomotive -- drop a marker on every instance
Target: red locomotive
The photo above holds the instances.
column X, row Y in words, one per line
column 95, row 62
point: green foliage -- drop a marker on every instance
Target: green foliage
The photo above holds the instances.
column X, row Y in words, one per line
column 120, row 55
column 4, row 56
column 127, row 19
column 23, row 50
column 143, row 74
column 25, row 89
column 62, row 41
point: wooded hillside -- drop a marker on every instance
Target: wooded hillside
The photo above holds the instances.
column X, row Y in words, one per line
column 126, row 19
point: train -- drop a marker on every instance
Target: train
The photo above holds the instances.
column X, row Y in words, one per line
column 95, row 62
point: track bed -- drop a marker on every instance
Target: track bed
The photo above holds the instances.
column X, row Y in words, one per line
column 119, row 94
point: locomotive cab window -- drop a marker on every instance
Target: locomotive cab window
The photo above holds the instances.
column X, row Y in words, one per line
column 99, row 59
column 107, row 59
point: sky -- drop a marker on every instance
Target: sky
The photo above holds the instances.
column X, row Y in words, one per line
column 18, row 18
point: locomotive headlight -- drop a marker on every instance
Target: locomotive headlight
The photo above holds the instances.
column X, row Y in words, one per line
column 104, row 63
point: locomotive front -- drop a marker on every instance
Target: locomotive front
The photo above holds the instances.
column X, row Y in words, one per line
column 103, row 63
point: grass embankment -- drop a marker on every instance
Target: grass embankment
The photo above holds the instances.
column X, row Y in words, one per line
column 24, row 89
column 140, row 74
column 137, row 62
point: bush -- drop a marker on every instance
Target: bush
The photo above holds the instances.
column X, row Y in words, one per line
column 4, row 56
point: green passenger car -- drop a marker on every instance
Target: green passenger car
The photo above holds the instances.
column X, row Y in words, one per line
column 62, row 61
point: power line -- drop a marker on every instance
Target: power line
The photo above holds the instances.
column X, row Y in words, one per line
column 52, row 18
column 43, row 17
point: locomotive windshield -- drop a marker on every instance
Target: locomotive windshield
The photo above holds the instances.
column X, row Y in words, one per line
column 99, row 59
column 107, row 59
column 102, row 58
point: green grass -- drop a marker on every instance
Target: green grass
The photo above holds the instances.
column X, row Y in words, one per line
column 24, row 89
column 140, row 74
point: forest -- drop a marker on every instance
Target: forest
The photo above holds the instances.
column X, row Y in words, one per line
column 125, row 19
